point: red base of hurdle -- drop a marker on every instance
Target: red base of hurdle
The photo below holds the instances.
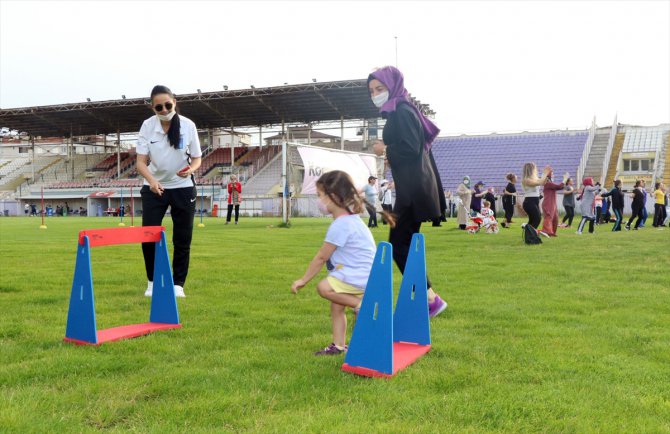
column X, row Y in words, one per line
column 125, row 332
column 404, row 354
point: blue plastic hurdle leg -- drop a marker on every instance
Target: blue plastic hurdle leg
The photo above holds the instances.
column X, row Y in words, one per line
column 163, row 300
column 385, row 344
column 410, row 320
column 81, row 326
column 371, row 345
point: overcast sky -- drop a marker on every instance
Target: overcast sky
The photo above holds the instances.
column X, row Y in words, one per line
column 482, row 66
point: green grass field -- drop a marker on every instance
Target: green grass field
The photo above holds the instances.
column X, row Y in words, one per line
column 570, row 336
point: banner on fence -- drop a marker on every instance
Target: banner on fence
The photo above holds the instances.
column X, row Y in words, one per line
column 319, row 161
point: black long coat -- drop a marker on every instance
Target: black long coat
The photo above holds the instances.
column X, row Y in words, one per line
column 415, row 181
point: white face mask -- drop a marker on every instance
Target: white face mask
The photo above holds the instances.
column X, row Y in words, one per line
column 380, row 100
column 322, row 207
column 168, row 117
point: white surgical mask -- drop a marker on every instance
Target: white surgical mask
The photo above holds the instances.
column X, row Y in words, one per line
column 380, row 100
column 322, row 207
column 168, row 117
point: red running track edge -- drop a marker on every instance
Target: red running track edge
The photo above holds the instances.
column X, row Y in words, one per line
column 404, row 354
column 126, row 332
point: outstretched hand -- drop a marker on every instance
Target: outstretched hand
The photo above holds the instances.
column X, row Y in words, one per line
column 297, row 285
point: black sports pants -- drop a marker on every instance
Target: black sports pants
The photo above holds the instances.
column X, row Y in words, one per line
column 509, row 210
column 569, row 214
column 659, row 214
column 388, row 209
column 372, row 211
column 582, row 223
column 230, row 211
column 618, row 214
column 532, row 207
column 637, row 212
column 182, row 203
column 400, row 238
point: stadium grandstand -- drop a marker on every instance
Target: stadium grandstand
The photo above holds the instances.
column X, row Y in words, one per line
column 74, row 150
column 489, row 158
column 94, row 169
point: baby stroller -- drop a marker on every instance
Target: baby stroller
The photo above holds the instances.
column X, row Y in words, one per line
column 485, row 220
column 474, row 224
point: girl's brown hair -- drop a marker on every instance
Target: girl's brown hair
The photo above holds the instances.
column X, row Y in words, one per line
column 339, row 187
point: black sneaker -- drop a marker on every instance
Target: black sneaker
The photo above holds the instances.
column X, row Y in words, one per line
column 331, row 350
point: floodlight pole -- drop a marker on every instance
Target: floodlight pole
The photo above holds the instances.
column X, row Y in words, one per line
column 210, row 140
column 284, row 184
column 32, row 163
column 118, row 154
column 342, row 133
column 232, row 146
column 396, row 51
column 72, row 154
column 365, row 134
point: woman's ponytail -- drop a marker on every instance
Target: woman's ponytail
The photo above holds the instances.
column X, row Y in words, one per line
column 175, row 125
column 173, row 132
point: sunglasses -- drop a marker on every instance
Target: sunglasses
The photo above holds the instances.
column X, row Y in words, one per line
column 159, row 107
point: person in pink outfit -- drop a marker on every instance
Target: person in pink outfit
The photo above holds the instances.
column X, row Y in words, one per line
column 549, row 208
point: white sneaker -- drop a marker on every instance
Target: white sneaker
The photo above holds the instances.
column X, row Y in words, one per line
column 150, row 289
column 179, row 291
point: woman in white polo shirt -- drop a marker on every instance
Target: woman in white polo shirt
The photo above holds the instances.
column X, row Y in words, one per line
column 171, row 142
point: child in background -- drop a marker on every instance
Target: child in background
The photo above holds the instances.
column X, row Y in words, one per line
column 607, row 216
column 616, row 197
column 491, row 198
column 587, row 198
column 598, row 205
column 386, row 198
column 489, row 218
column 348, row 253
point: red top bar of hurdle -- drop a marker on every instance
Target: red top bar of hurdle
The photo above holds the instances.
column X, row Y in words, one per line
column 112, row 236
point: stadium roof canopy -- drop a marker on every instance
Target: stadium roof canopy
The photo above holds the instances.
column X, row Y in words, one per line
column 299, row 103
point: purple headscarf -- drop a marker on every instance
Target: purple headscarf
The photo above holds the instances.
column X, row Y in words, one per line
column 395, row 82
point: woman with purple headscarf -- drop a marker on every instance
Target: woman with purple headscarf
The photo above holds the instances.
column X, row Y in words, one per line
column 407, row 139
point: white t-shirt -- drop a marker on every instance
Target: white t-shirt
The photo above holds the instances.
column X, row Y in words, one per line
column 370, row 193
column 352, row 260
column 531, row 190
column 166, row 161
column 387, row 197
